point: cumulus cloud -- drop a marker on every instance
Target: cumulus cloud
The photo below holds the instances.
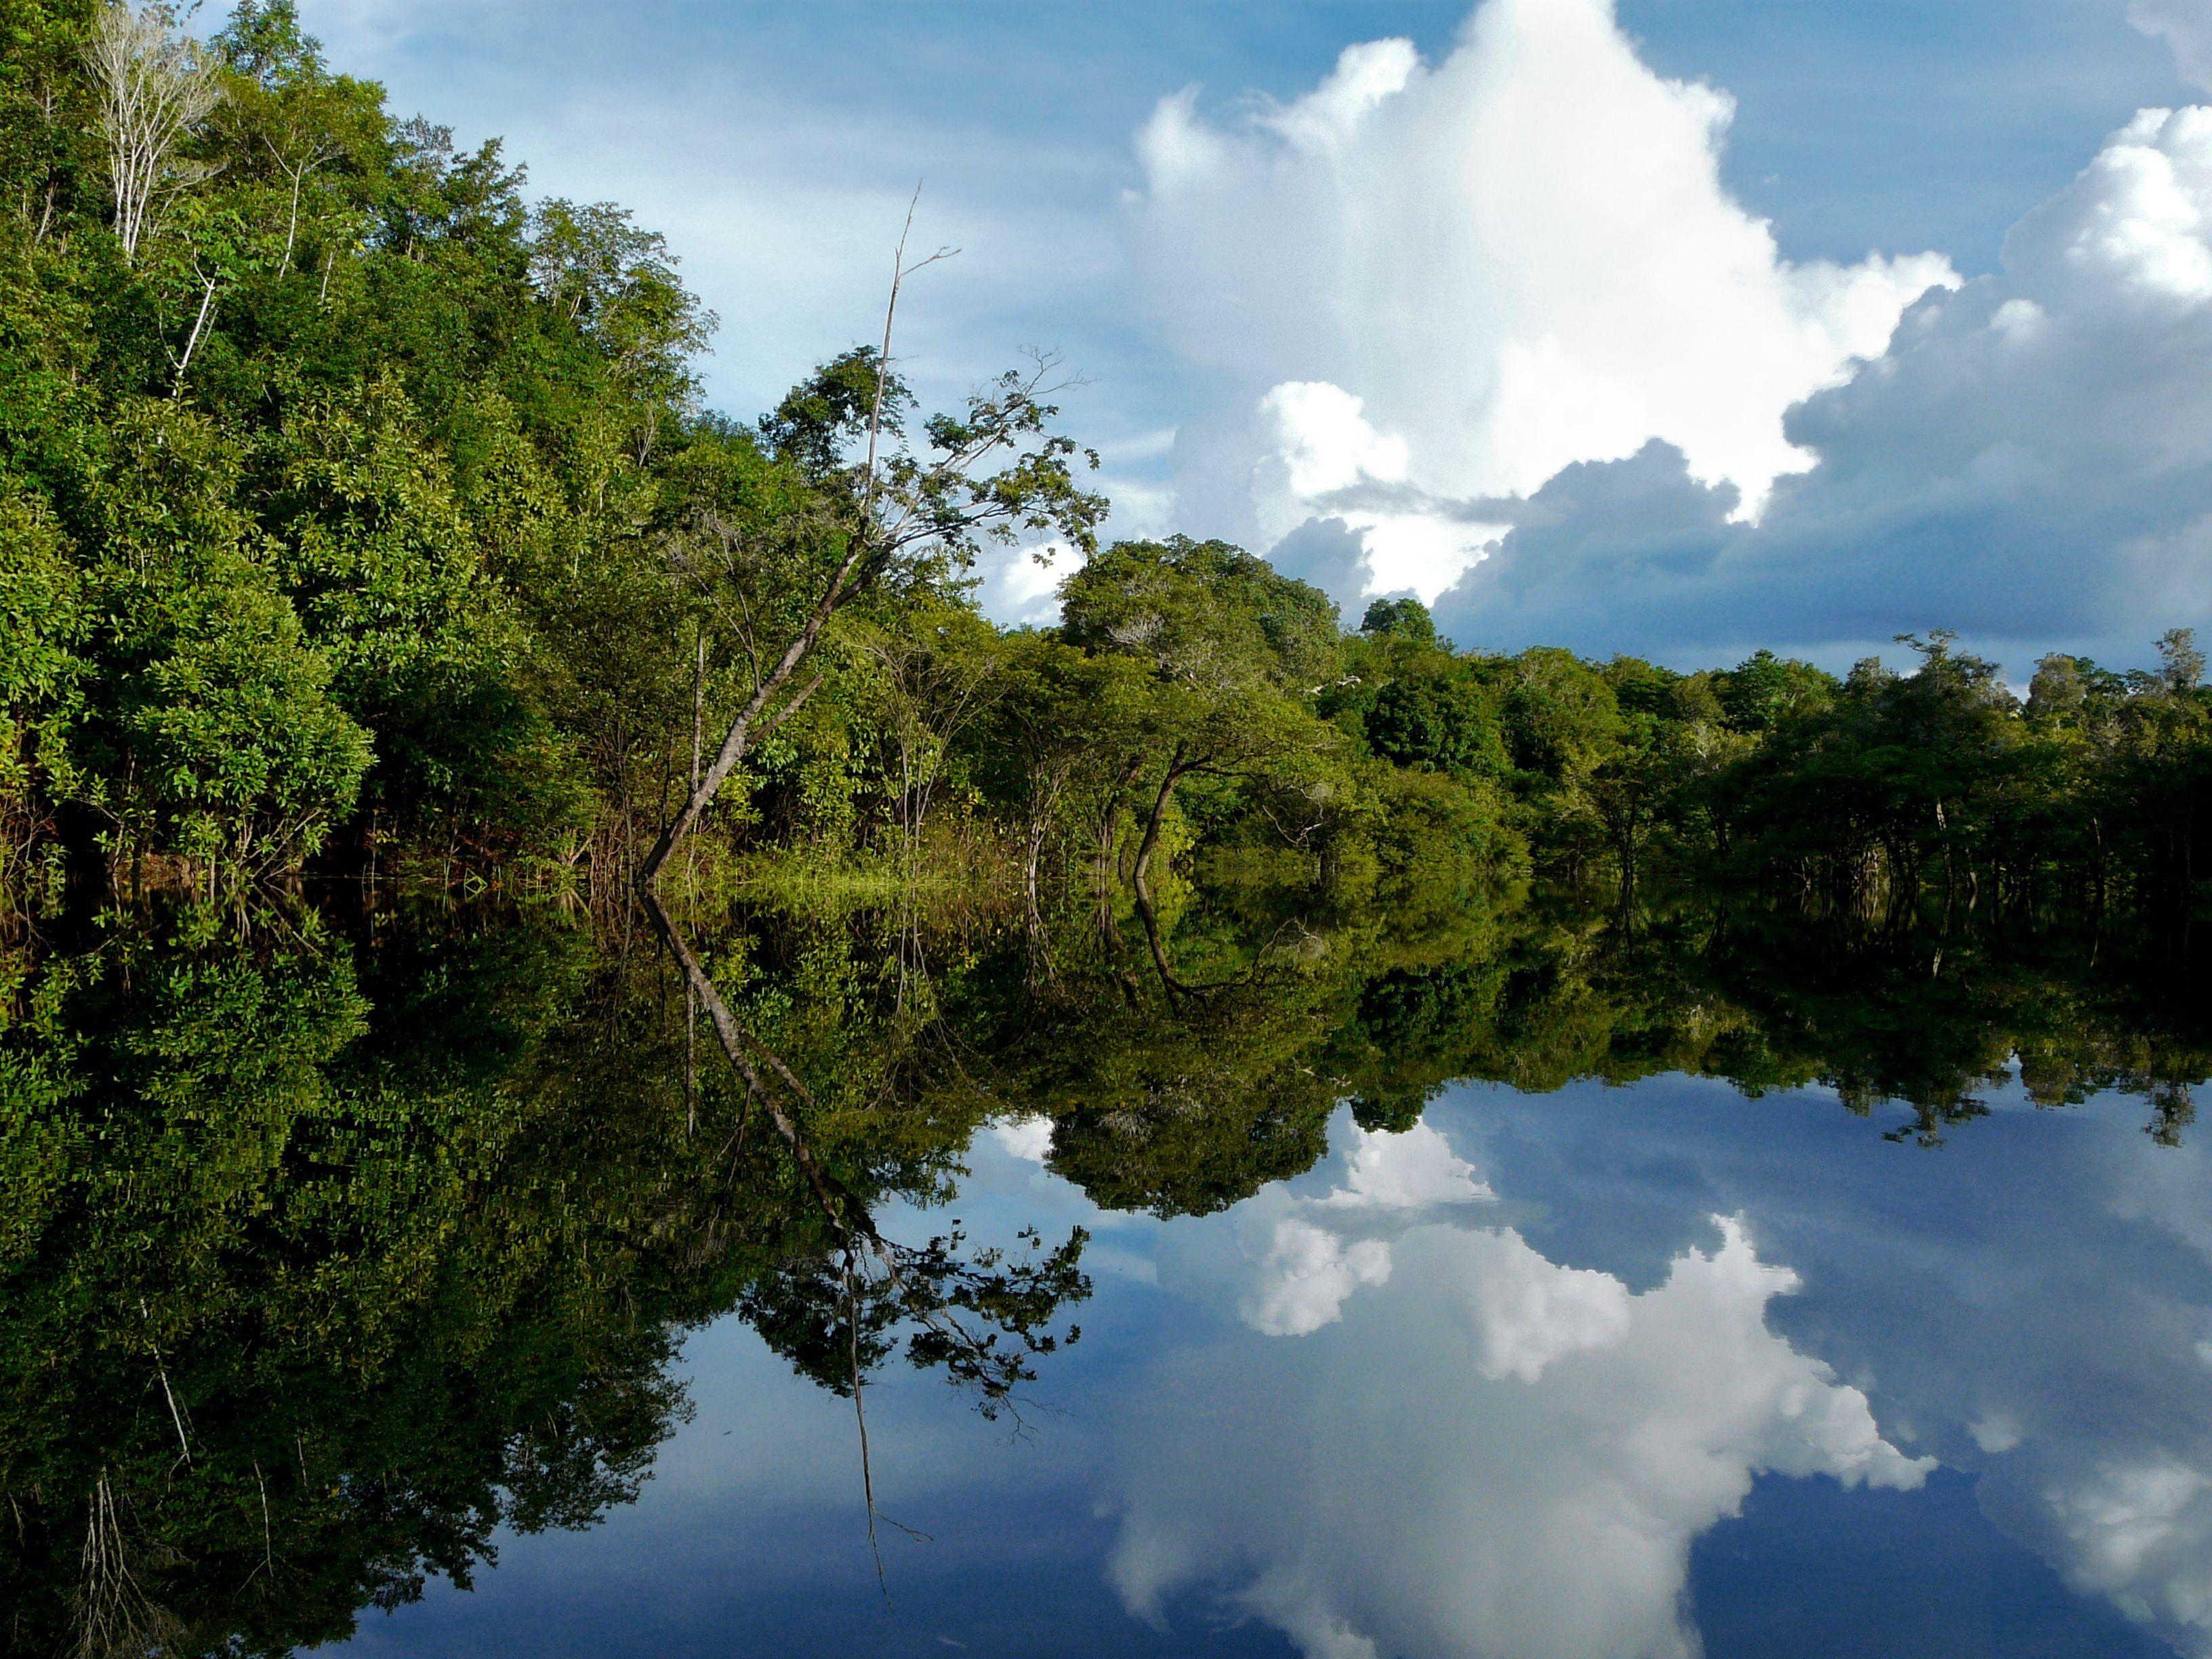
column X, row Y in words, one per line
column 1508, row 1442
column 1970, row 1317
column 1029, row 1139
column 1311, row 1266
column 1320, row 448
column 2140, row 1534
column 1407, row 1171
column 1020, row 585
column 1306, row 1277
column 1455, row 279
column 1485, row 1452
column 1463, row 1448
column 1491, row 330
column 2030, row 460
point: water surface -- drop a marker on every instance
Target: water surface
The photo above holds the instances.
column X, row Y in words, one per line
column 1508, row 1277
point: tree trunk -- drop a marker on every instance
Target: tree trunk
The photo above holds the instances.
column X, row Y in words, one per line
column 1170, row 987
column 741, row 734
column 1033, row 854
column 1110, row 818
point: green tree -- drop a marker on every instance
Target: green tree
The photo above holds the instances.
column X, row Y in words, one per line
column 43, row 616
column 1405, row 617
column 213, row 711
column 892, row 510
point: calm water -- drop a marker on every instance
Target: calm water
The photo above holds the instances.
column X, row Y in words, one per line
column 1492, row 1277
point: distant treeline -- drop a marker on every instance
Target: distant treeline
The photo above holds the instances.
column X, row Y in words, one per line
column 357, row 513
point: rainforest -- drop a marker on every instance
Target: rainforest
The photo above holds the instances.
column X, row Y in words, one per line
column 360, row 511
column 581, row 1026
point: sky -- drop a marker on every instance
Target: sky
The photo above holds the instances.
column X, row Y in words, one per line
column 1668, row 326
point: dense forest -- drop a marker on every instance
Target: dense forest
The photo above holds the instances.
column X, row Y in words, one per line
column 359, row 512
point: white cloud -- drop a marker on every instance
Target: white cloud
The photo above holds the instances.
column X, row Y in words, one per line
column 1322, row 444
column 1311, row 1266
column 1325, row 453
column 2187, row 26
column 1407, row 1171
column 1458, row 278
column 2131, row 230
column 1488, row 1453
column 2142, row 1534
column 1490, row 330
column 1529, row 1313
column 1306, row 1277
column 1029, row 1139
column 2031, row 460
column 1456, row 1454
column 1976, row 1315
column 1021, row 585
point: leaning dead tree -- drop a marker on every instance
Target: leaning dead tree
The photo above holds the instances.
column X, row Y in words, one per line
column 156, row 86
column 905, row 508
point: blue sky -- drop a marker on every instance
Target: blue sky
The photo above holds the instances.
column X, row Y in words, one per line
column 1489, row 315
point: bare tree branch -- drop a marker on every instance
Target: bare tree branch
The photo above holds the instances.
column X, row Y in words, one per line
column 157, row 87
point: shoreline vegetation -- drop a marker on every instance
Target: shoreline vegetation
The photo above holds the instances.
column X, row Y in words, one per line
column 360, row 518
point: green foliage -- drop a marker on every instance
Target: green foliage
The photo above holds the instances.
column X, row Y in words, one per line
column 819, row 422
column 1401, row 618
column 42, row 610
column 1764, row 691
column 1560, row 714
column 211, row 716
column 357, row 463
column 410, row 1231
column 1236, row 657
column 1419, row 706
column 356, row 507
column 1206, row 616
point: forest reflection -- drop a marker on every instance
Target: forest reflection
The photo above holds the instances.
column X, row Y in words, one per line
column 334, row 1240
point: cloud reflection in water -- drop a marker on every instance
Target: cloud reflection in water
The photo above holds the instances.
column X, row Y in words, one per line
column 1425, row 1437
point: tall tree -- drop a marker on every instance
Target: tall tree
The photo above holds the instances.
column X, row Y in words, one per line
column 156, row 86
column 1237, row 654
column 891, row 507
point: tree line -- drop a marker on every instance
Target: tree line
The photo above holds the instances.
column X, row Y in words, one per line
column 359, row 513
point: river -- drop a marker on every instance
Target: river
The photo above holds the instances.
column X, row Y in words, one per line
column 1488, row 1274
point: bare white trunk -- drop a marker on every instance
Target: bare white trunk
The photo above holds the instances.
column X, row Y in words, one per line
column 155, row 89
column 199, row 323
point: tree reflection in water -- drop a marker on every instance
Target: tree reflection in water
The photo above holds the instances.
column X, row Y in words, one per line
column 330, row 1245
